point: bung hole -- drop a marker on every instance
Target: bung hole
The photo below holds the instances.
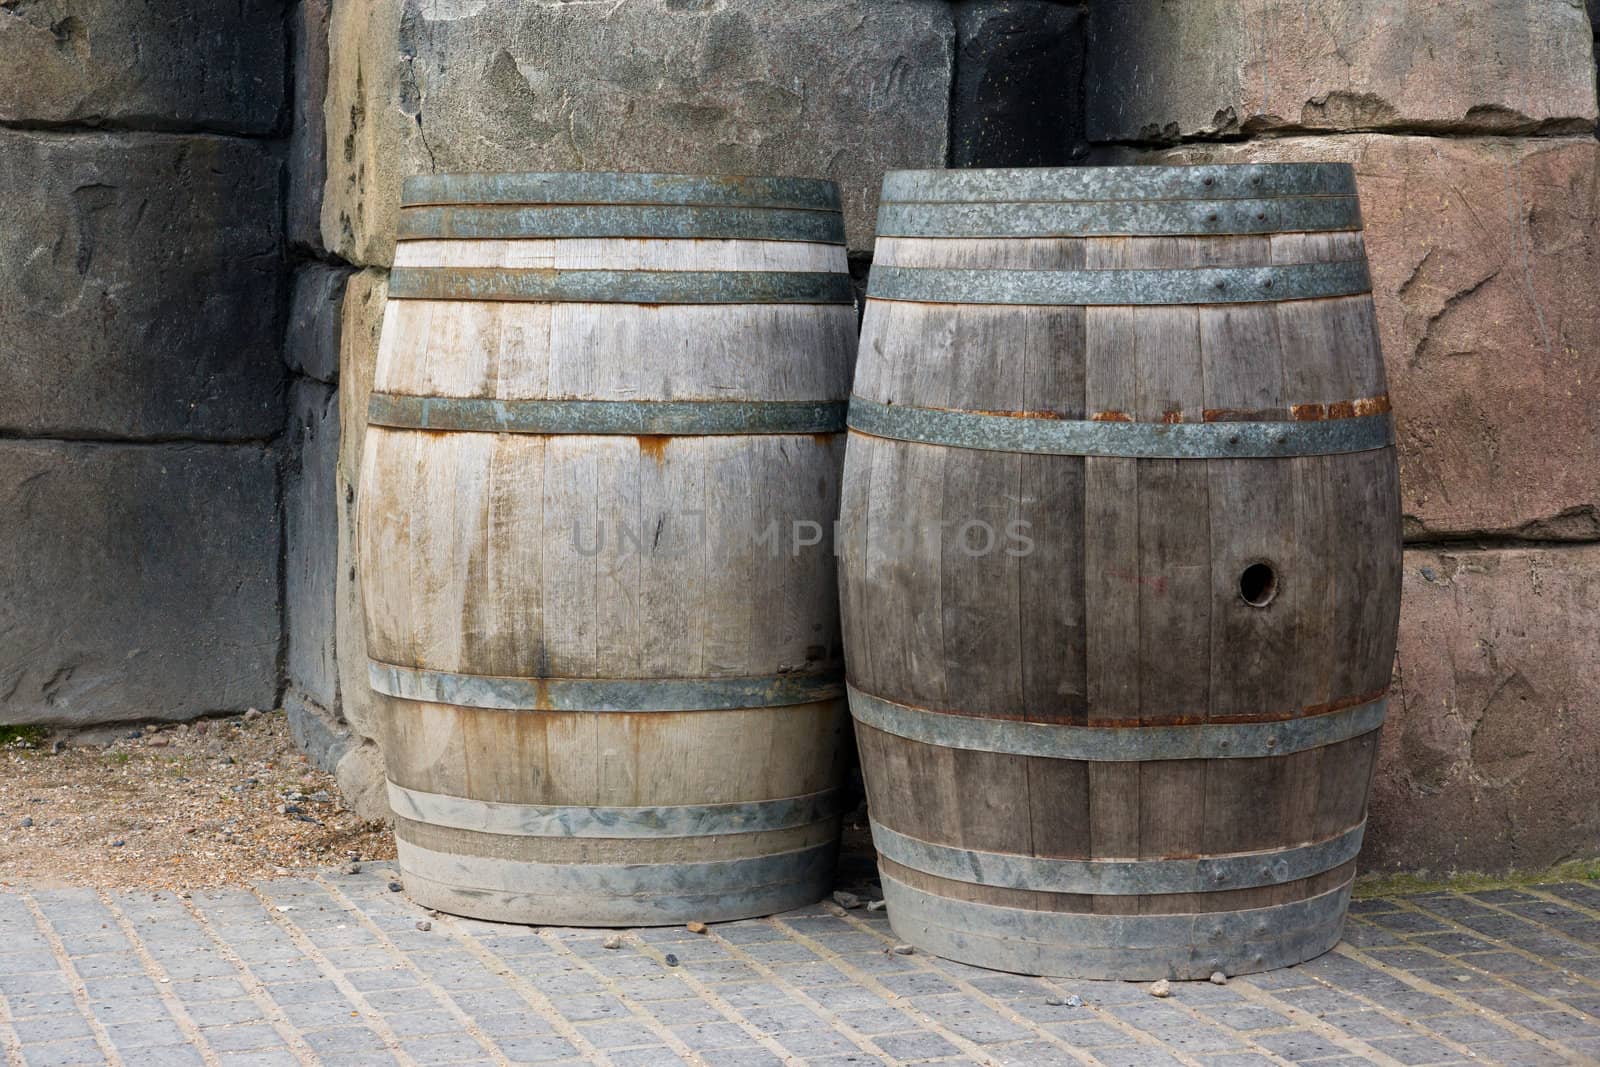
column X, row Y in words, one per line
column 1258, row 585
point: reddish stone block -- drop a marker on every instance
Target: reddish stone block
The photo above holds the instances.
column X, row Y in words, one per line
column 1486, row 273
column 1161, row 70
column 1492, row 748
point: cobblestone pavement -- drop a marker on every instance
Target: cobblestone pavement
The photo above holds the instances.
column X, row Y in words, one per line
column 338, row 969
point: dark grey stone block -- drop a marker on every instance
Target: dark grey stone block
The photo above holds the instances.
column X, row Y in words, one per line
column 140, row 581
column 172, row 64
column 311, row 343
column 140, row 286
column 1017, row 100
column 308, row 134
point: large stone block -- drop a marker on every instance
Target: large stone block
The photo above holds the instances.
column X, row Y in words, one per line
column 140, row 581
column 1486, row 272
column 1160, row 70
column 311, row 343
column 311, row 547
column 168, row 64
column 308, row 132
column 363, row 320
column 140, row 284
column 1018, row 84
column 1492, row 748
column 844, row 89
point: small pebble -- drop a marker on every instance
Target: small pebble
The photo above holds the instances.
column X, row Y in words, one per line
column 1218, row 978
column 1054, row 1002
column 1074, row 1001
column 134, row 735
column 672, row 961
column 877, row 905
column 902, row 950
column 1552, row 911
column 696, row 927
column 352, row 868
column 394, row 887
column 252, row 715
column 226, row 759
column 832, row 909
column 612, row 941
column 424, row 925
column 1163, row 988
column 1463, row 977
column 27, row 821
column 847, row 901
column 118, row 843
column 57, row 747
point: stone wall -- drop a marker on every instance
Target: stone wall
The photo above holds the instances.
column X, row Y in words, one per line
column 1472, row 132
column 141, row 391
column 200, row 217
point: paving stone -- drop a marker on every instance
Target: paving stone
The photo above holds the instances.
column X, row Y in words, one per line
column 260, row 1058
column 343, row 1041
column 50, row 1028
column 653, row 1056
column 537, row 1048
column 64, row 1054
column 620, row 1034
column 242, row 1038
column 162, row 1056
column 1300, row 1047
column 1415, row 1050
column 129, row 1010
column 741, row 1057
column 144, row 1033
column 707, row 1036
column 1522, row 1053
column 921, row 1045
column 446, row 1048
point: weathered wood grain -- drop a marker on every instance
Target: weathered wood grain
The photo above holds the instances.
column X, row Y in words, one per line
column 1129, row 611
column 610, row 557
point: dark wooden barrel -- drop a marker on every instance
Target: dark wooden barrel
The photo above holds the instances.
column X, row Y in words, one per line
column 1120, row 564
column 605, row 438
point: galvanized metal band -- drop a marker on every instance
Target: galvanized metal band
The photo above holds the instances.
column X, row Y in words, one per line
column 1136, row 440
column 1240, row 870
column 1082, row 288
column 509, row 222
column 543, row 285
column 812, row 194
column 547, row 820
column 1150, row 218
column 1125, row 947
column 1116, row 744
column 612, row 879
column 1223, row 181
column 601, row 694
column 672, row 417
column 514, row 890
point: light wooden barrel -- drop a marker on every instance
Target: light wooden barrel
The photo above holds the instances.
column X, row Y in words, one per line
column 1120, row 564
column 605, row 435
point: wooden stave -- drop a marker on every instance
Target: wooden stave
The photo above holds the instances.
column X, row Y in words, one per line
column 818, row 457
column 869, row 458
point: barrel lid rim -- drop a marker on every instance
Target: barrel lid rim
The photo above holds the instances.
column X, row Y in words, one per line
column 567, row 188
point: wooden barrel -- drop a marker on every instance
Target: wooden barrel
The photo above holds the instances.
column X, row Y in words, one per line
column 606, row 434
column 1120, row 564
